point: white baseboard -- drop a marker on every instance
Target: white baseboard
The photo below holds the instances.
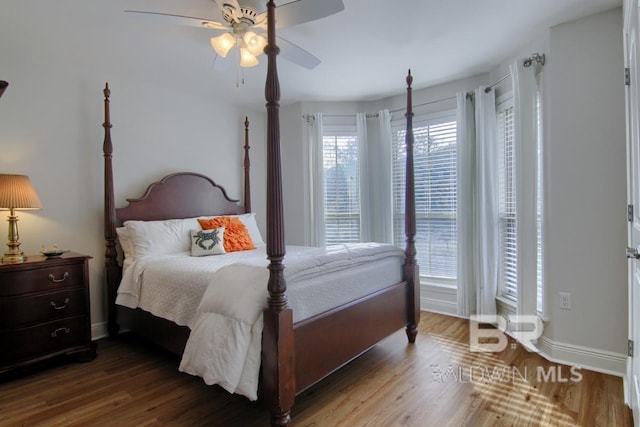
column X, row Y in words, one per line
column 99, row 330
column 606, row 362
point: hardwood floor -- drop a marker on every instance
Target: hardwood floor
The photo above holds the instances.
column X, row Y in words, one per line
column 436, row 382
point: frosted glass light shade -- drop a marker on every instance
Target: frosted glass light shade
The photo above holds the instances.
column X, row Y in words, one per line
column 254, row 43
column 247, row 59
column 223, row 44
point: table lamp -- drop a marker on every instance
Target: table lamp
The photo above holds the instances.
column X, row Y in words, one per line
column 16, row 192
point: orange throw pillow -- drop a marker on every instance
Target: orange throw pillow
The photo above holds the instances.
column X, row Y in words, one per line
column 236, row 235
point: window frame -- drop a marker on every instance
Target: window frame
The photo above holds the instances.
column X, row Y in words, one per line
column 399, row 127
column 336, row 131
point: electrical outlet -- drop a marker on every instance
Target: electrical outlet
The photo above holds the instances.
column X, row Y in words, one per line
column 565, row 300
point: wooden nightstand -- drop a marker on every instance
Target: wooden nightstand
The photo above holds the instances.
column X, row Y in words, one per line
column 44, row 310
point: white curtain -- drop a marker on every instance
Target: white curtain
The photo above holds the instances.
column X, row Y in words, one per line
column 487, row 214
column 465, row 204
column 525, row 136
column 383, row 190
column 363, row 162
column 316, row 190
column 543, row 309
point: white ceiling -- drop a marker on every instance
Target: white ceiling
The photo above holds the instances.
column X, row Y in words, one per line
column 367, row 48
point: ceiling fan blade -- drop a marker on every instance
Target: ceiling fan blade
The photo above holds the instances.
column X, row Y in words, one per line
column 301, row 11
column 261, row 21
column 297, row 55
column 182, row 20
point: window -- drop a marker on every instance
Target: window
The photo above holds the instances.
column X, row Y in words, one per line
column 508, row 250
column 435, row 184
column 342, row 185
column 508, row 258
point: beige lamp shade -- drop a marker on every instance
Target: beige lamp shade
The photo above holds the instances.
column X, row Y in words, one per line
column 17, row 192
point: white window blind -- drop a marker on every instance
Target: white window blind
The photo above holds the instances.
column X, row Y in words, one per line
column 540, row 293
column 436, row 186
column 508, row 200
column 508, row 254
column 342, row 187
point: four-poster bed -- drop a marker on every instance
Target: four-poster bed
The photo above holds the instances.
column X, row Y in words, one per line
column 295, row 354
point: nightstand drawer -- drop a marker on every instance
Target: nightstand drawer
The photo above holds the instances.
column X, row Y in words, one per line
column 41, row 279
column 38, row 308
column 44, row 339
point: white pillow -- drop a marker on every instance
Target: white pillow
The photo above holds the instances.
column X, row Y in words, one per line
column 160, row 237
column 125, row 242
column 207, row 242
column 249, row 221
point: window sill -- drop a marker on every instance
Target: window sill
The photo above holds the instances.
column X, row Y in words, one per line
column 450, row 285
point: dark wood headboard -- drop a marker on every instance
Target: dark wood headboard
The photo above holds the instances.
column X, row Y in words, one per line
column 173, row 197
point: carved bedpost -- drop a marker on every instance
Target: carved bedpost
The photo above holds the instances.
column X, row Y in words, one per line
column 247, row 167
column 277, row 339
column 411, row 274
column 111, row 264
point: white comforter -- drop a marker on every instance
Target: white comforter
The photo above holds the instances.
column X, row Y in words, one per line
column 225, row 341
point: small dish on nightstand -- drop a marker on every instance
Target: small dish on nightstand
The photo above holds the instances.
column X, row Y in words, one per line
column 56, row 254
column 52, row 252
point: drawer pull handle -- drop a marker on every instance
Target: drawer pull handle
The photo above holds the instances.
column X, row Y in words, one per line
column 62, row 307
column 65, row 276
column 59, row 331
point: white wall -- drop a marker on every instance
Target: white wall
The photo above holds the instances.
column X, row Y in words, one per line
column 57, row 57
column 295, row 181
column 585, row 203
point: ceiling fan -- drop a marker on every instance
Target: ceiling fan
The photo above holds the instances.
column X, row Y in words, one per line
column 243, row 26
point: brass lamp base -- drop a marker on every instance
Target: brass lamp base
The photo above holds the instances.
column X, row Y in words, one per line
column 13, row 254
column 12, row 258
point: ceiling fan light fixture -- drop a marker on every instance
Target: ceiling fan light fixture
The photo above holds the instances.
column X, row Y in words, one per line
column 223, row 44
column 254, row 43
column 247, row 60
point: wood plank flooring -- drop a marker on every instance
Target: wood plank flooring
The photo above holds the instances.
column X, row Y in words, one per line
column 436, row 382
